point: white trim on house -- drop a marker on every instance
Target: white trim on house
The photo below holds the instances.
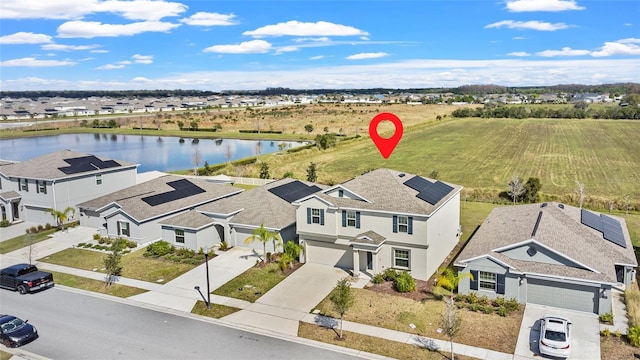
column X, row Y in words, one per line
column 534, row 241
column 465, row 263
column 327, row 191
column 568, row 280
column 299, row 201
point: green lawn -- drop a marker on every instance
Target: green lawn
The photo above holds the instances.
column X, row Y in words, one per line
column 134, row 265
column 253, row 283
column 472, row 214
column 21, row 241
column 79, row 282
column 216, row 311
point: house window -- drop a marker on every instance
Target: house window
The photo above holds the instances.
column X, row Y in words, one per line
column 403, row 224
column 315, row 216
column 123, row 228
column 351, row 218
column 41, row 186
column 401, row 258
column 487, row 280
column 340, row 193
column 24, row 186
column 98, row 179
column 180, row 236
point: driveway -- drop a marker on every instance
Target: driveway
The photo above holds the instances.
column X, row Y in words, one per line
column 585, row 336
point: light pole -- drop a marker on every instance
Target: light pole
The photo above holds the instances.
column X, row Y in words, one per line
column 206, row 261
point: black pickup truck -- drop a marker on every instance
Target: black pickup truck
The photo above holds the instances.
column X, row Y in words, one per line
column 25, row 278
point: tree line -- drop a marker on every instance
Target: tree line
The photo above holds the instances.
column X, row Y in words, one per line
column 578, row 111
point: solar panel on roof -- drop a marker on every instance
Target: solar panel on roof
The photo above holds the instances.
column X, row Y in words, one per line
column 612, row 231
column 86, row 163
column 591, row 220
column 434, row 193
column 417, row 183
column 181, row 189
column 293, row 191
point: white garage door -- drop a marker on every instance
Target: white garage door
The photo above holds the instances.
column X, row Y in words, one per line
column 567, row 296
column 319, row 252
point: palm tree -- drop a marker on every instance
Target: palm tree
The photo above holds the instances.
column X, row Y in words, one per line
column 449, row 279
column 264, row 236
column 62, row 216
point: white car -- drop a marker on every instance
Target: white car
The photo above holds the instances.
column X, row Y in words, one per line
column 555, row 336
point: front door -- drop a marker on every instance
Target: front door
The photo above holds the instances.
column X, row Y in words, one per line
column 16, row 213
column 369, row 260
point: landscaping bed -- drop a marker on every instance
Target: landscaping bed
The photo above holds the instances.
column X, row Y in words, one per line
column 616, row 348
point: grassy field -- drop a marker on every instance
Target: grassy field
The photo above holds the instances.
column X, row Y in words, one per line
column 79, row 282
column 134, row 265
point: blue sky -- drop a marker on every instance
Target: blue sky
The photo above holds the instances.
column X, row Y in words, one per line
column 242, row 44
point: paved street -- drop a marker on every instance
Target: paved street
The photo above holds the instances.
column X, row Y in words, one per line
column 77, row 326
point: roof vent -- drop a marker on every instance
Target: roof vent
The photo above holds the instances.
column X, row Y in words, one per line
column 543, row 205
column 401, row 175
column 561, row 206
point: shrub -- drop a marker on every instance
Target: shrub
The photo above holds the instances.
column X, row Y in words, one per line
column 96, row 236
column 632, row 300
column 502, row 311
column 81, row 244
column 292, row 249
column 224, row 246
column 634, row 336
column 617, row 333
column 499, row 301
column 606, row 332
column 33, row 230
column 4, row 223
column 131, row 244
column 606, row 318
column 102, row 240
column 404, row 282
column 487, row 309
column 40, row 228
column 472, row 298
column 47, row 226
column 512, row 305
column 377, row 279
column 473, row 307
column 160, row 248
column 201, row 251
column 461, row 298
column 484, row 300
column 390, row 274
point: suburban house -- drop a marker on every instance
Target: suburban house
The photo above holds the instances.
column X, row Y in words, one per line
column 136, row 212
column 57, row 181
column 379, row 220
column 233, row 219
column 550, row 254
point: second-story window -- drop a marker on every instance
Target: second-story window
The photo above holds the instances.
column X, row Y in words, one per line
column 315, row 216
column 41, row 186
column 24, row 186
column 98, row 179
column 351, row 218
column 403, row 224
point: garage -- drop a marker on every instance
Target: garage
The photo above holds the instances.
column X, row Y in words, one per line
column 318, row 252
column 563, row 295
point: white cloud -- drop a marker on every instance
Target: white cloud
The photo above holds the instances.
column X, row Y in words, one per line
column 142, row 59
column 542, row 5
column 285, row 49
column 141, row 79
column 210, row 19
column 77, row 9
column 297, row 28
column 111, row 66
column 33, row 62
column 318, row 57
column 362, row 56
column 247, row 47
column 91, row 29
column 25, row 38
column 519, row 38
column 100, row 51
column 519, row 53
column 323, row 39
column 123, row 62
column 566, row 51
column 627, row 24
column 62, row 47
column 529, row 25
column 620, row 47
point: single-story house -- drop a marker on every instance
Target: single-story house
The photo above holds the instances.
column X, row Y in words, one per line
column 57, row 181
column 550, row 254
column 234, row 219
column 136, row 212
column 379, row 220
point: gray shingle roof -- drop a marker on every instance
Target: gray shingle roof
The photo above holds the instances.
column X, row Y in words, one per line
column 386, row 191
column 46, row 167
column 369, row 237
column 259, row 206
column 190, row 219
column 130, row 199
column 560, row 230
column 10, row 195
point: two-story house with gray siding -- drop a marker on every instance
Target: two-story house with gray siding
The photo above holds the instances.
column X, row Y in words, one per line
column 550, row 254
column 58, row 180
column 136, row 212
column 379, row 220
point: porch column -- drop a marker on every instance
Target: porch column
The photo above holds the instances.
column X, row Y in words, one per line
column 356, row 262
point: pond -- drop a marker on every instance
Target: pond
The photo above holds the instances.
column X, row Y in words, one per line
column 162, row 153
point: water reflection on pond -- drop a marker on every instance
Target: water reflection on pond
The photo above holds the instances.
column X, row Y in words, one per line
column 163, row 153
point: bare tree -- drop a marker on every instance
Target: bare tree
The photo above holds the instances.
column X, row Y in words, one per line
column 580, row 191
column 516, row 188
column 612, row 204
column 626, row 203
column 228, row 152
column 30, row 242
column 196, row 159
column 450, row 322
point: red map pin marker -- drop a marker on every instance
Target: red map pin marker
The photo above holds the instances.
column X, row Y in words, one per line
column 385, row 145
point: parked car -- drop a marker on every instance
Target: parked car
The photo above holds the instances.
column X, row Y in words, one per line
column 15, row 332
column 555, row 336
column 25, row 278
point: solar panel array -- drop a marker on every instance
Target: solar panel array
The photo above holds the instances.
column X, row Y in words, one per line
column 181, row 189
column 428, row 191
column 610, row 228
column 293, row 191
column 86, row 163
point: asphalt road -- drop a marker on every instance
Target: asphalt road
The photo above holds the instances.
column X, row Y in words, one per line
column 78, row 326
